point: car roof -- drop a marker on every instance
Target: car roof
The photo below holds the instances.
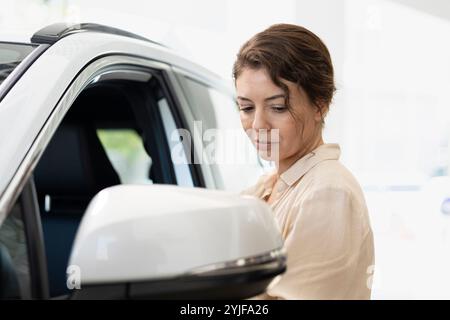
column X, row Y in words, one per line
column 52, row 34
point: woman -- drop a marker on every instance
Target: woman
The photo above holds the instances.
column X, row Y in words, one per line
column 284, row 82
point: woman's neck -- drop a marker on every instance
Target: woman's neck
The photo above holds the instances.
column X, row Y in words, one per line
column 286, row 163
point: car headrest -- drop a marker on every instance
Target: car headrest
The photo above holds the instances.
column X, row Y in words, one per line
column 74, row 163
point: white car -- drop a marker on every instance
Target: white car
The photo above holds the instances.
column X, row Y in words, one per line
column 92, row 203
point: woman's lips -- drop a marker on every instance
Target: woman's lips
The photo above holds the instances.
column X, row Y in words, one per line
column 261, row 145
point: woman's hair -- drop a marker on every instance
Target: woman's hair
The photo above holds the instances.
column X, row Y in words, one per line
column 295, row 54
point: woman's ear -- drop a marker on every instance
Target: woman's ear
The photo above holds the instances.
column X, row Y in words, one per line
column 321, row 111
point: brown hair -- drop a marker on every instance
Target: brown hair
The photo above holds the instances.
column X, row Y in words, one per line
column 295, row 54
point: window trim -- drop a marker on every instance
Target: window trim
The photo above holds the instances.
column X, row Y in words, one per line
column 35, row 241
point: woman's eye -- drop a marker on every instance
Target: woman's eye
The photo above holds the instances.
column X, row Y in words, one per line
column 278, row 108
column 246, row 108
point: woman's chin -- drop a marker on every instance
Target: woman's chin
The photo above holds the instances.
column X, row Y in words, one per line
column 268, row 155
column 267, row 151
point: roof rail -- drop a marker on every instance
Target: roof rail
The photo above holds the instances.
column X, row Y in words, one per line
column 54, row 32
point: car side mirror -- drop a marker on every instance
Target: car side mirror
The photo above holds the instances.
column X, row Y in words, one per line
column 169, row 242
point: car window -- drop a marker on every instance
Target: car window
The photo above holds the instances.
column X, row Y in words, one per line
column 10, row 57
column 180, row 161
column 227, row 148
column 14, row 263
column 125, row 150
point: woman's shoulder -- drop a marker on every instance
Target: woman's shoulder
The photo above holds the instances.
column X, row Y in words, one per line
column 332, row 183
column 333, row 175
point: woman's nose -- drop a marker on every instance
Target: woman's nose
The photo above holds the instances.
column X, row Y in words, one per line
column 260, row 121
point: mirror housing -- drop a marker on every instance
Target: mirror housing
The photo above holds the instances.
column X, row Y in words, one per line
column 166, row 241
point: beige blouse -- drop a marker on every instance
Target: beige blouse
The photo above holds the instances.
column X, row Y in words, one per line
column 322, row 214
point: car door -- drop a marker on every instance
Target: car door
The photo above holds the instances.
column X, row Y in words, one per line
column 113, row 125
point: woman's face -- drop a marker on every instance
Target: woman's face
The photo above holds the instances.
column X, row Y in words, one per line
column 263, row 111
